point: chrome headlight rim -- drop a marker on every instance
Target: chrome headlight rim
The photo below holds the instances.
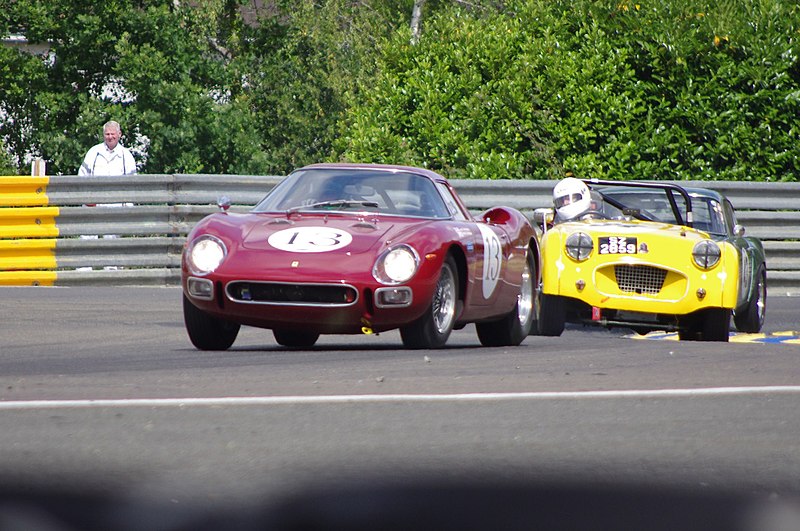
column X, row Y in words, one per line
column 214, row 254
column 706, row 254
column 579, row 246
column 396, row 265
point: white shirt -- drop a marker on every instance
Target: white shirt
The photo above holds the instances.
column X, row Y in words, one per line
column 100, row 160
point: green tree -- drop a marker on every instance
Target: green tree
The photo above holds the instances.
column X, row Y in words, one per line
column 489, row 89
column 153, row 66
column 301, row 68
column 6, row 164
column 211, row 86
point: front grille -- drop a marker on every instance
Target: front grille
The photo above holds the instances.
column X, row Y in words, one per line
column 639, row 279
column 292, row 294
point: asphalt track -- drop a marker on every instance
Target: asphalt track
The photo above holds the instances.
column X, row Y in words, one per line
column 101, row 390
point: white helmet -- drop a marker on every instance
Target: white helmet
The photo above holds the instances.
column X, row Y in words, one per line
column 571, row 198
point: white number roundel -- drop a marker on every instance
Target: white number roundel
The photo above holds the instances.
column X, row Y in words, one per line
column 492, row 260
column 310, row 239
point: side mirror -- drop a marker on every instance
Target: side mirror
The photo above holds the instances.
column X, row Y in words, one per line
column 224, row 203
column 738, row 230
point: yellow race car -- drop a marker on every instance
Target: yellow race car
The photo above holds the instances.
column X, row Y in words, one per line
column 647, row 256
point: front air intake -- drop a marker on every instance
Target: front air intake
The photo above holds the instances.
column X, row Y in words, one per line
column 292, row 294
column 639, row 279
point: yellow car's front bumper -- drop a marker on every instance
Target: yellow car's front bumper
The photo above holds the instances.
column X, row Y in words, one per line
column 660, row 277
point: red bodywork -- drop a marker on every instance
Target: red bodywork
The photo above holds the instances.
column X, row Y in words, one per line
column 251, row 258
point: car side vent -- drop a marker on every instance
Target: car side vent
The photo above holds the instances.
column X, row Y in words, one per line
column 639, row 279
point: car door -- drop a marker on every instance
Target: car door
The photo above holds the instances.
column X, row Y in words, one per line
column 487, row 246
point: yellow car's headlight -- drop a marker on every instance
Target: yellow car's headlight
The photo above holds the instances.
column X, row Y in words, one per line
column 205, row 254
column 706, row 254
column 579, row 246
column 396, row 265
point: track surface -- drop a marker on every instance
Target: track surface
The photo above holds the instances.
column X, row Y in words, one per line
column 100, row 387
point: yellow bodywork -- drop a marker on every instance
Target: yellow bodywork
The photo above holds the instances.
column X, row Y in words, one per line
column 686, row 287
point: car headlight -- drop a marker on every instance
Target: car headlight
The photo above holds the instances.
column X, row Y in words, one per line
column 396, row 265
column 579, row 246
column 706, row 254
column 205, row 254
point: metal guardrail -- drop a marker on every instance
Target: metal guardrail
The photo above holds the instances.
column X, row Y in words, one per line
column 49, row 235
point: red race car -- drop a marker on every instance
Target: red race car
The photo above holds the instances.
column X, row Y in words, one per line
column 360, row 249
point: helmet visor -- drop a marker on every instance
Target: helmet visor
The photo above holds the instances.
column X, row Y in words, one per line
column 568, row 199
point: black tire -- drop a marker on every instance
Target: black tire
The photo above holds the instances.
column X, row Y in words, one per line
column 713, row 324
column 294, row 338
column 689, row 333
column 716, row 325
column 432, row 329
column 512, row 329
column 205, row 331
column 751, row 319
column 551, row 316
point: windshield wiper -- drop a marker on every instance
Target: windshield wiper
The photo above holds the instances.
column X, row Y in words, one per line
column 338, row 203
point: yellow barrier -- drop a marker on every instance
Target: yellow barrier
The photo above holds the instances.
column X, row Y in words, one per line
column 28, row 222
column 27, row 278
column 24, row 215
column 27, row 254
column 23, row 191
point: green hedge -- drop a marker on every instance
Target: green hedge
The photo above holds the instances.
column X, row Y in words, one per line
column 669, row 89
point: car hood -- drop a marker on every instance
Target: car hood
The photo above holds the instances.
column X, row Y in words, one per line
column 323, row 233
column 633, row 227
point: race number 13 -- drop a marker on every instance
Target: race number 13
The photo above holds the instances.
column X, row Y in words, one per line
column 310, row 239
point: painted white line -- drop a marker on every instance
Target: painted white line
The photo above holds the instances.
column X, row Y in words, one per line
column 340, row 399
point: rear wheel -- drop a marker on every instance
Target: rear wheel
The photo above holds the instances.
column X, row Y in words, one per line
column 205, row 331
column 294, row 338
column 432, row 329
column 751, row 319
column 512, row 329
column 551, row 315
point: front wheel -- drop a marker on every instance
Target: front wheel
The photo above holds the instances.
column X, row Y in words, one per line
column 293, row 338
column 205, row 331
column 433, row 327
column 515, row 326
column 551, row 316
column 712, row 324
column 751, row 319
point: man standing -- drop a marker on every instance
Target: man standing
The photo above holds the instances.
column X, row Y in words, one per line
column 109, row 157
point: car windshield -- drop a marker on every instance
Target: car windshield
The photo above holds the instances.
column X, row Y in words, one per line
column 348, row 189
column 646, row 203
column 653, row 204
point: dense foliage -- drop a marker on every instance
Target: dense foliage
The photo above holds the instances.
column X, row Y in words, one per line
column 669, row 89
